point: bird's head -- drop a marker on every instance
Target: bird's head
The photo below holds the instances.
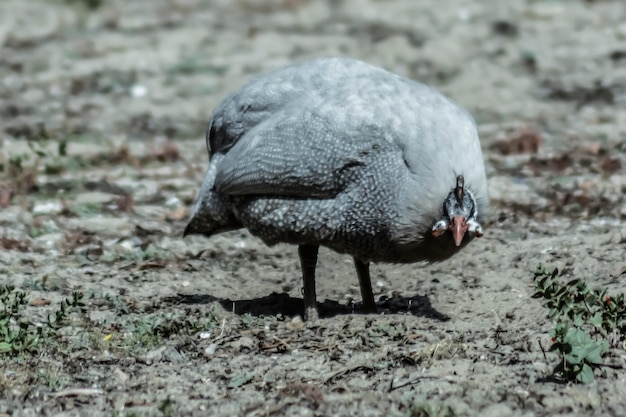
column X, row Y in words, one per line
column 460, row 212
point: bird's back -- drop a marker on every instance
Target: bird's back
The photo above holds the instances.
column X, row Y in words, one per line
column 355, row 92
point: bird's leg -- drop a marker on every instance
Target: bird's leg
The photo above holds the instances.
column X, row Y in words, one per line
column 308, row 262
column 363, row 271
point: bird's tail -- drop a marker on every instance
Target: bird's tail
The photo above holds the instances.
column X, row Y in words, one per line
column 212, row 212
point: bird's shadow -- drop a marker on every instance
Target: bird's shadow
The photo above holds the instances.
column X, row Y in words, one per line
column 283, row 304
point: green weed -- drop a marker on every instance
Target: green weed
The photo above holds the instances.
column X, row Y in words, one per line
column 588, row 321
column 248, row 321
column 16, row 333
column 153, row 330
column 19, row 334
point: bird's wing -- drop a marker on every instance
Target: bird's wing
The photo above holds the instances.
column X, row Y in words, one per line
column 235, row 116
column 301, row 151
column 257, row 101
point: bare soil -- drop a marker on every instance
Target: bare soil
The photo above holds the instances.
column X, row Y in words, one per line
column 102, row 117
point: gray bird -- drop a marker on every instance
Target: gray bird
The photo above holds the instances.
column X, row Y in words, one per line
column 339, row 153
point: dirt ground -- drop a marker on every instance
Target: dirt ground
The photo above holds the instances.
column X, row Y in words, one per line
column 102, row 116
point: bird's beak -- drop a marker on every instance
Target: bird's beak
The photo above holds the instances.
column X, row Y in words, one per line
column 458, row 227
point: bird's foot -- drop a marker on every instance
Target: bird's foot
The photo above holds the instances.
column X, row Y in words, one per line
column 311, row 314
column 369, row 308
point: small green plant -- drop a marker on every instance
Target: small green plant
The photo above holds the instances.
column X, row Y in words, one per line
column 576, row 302
column 588, row 321
column 67, row 305
column 153, row 253
column 153, row 330
column 578, row 351
column 166, row 407
column 18, row 333
column 248, row 321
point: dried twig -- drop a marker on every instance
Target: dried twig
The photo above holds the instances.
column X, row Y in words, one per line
column 78, row 392
column 346, row 371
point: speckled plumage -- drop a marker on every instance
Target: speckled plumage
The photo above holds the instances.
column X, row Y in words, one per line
column 339, row 153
